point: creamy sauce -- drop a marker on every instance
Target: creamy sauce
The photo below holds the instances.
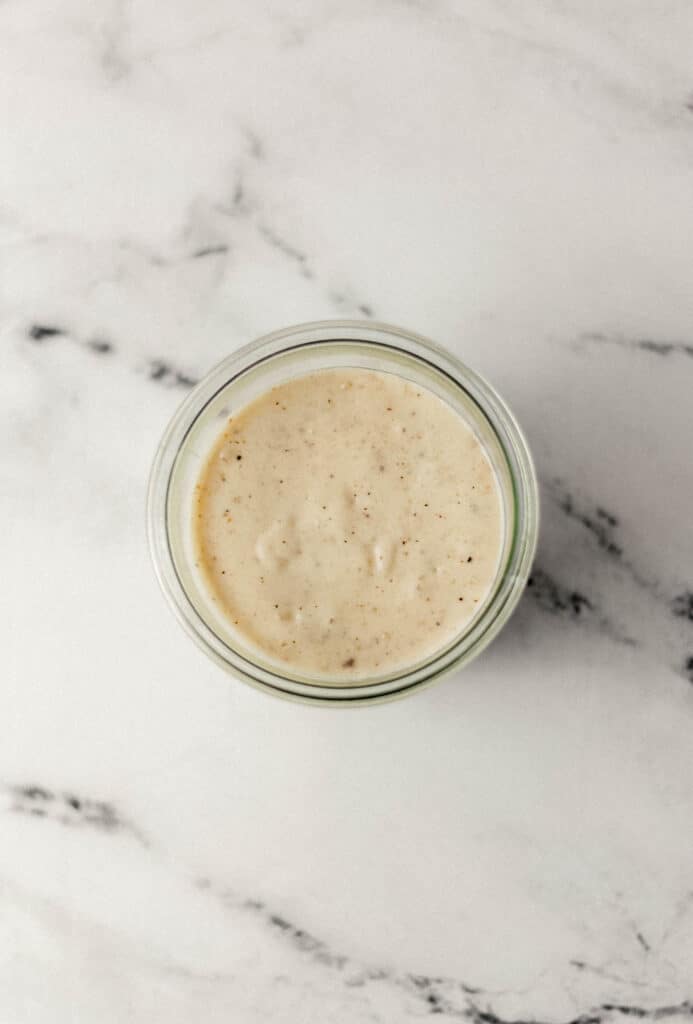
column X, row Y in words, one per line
column 348, row 523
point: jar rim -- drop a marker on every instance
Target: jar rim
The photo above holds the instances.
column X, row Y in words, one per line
column 390, row 340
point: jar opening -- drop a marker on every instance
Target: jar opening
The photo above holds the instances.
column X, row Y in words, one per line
column 290, row 355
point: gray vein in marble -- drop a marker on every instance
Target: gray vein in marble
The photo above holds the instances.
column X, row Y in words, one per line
column 602, row 525
column 241, row 205
column 605, row 973
column 431, row 995
column 571, row 57
column 143, row 252
column 682, row 910
column 255, row 144
column 38, row 332
column 209, row 250
column 67, row 808
column 191, row 46
column 682, row 605
column 164, row 372
column 205, row 235
column 653, row 346
column 238, row 198
column 99, row 345
column 280, row 244
column 434, row 995
column 115, row 57
column 552, row 596
column 342, row 299
column 159, row 370
column 44, row 332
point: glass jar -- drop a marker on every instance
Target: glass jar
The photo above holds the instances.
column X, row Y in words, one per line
column 272, row 360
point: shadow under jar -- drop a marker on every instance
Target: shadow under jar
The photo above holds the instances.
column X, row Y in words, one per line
column 227, row 394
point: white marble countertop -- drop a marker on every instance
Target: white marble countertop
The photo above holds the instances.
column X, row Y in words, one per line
column 513, row 180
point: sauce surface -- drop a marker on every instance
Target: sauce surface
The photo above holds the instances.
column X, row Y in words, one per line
column 348, row 523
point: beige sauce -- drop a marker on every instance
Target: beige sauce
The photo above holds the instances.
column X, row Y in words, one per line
column 349, row 523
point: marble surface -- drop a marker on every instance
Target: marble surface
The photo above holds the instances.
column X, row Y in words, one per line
column 513, row 180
